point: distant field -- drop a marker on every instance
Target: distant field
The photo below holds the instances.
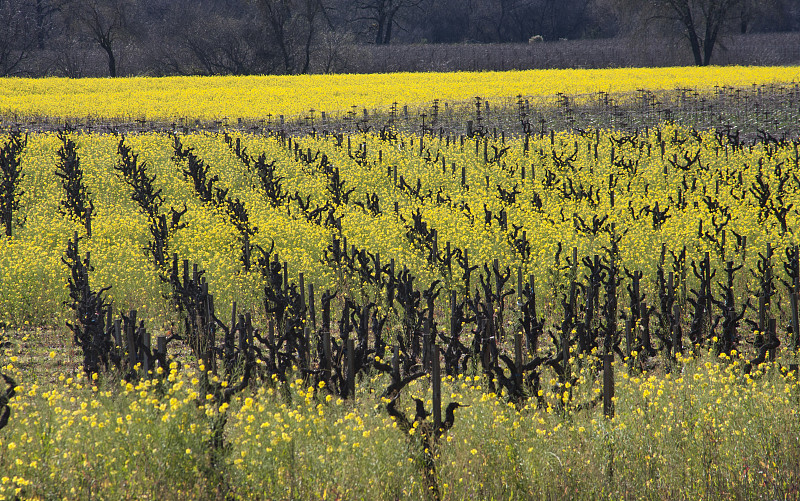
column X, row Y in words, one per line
column 256, row 97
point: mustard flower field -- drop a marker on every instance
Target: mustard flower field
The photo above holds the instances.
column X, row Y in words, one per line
column 494, row 310
column 257, row 97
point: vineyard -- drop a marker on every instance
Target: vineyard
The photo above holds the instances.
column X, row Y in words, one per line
column 579, row 300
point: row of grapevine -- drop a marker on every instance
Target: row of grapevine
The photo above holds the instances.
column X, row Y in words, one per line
column 492, row 255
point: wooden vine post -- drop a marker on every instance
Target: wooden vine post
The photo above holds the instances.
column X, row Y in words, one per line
column 436, row 383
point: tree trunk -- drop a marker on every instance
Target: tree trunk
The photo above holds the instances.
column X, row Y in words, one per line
column 112, row 60
column 313, row 10
column 288, row 61
column 708, row 45
column 387, row 32
column 381, row 20
column 691, row 33
column 389, row 19
column 39, row 25
column 309, row 38
column 695, row 43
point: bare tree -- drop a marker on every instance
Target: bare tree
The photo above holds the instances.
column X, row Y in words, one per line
column 383, row 15
column 201, row 37
column 701, row 20
column 293, row 26
column 16, row 41
column 222, row 46
column 44, row 12
column 766, row 15
column 102, row 21
column 337, row 49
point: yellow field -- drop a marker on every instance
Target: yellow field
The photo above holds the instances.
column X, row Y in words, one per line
column 254, row 97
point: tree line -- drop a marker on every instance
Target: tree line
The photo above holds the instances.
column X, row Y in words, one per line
column 174, row 37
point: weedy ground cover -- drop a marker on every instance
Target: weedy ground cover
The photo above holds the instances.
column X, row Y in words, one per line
column 700, row 430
